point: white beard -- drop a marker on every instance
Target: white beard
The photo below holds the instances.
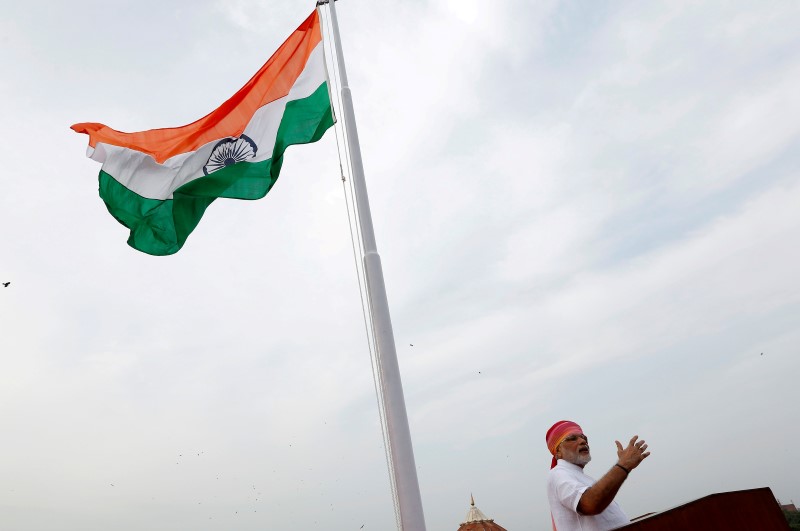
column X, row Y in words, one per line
column 576, row 458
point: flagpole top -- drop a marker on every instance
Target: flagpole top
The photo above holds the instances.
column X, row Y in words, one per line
column 323, row 2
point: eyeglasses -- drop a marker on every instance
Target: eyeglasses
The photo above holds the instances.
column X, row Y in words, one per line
column 575, row 436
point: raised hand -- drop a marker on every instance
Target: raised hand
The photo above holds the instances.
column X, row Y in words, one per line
column 633, row 454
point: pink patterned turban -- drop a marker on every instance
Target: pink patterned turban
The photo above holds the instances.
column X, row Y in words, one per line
column 557, row 433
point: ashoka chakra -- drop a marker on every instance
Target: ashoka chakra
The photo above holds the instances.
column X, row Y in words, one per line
column 230, row 151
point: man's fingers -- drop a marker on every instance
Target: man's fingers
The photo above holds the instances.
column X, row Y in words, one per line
column 619, row 446
column 633, row 440
column 643, row 447
column 645, row 454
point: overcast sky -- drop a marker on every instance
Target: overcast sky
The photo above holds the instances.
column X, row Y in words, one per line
column 585, row 210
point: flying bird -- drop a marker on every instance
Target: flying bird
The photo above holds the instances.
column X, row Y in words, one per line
column 5, row 284
column 411, row 344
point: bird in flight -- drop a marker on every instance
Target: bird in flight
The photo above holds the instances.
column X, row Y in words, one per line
column 5, row 284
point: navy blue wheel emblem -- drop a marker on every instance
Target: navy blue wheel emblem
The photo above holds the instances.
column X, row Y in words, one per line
column 230, row 151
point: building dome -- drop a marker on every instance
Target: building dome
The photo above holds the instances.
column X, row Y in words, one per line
column 477, row 521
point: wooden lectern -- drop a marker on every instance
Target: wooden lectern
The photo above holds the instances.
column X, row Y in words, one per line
column 741, row 510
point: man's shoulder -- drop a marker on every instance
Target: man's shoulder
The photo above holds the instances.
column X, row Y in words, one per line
column 566, row 473
column 559, row 473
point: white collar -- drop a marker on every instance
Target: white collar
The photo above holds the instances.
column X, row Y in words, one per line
column 569, row 466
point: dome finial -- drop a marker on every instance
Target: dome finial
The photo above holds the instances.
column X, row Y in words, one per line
column 471, row 500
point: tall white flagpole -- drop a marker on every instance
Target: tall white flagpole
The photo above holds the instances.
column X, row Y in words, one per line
column 402, row 453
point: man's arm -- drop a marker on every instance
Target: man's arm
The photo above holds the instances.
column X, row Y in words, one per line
column 596, row 498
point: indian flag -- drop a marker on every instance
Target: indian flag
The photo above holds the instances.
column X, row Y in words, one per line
column 158, row 183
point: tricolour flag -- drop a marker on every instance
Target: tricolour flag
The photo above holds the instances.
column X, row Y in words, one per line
column 158, row 183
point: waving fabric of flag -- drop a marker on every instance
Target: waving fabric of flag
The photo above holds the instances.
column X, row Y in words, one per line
column 158, row 183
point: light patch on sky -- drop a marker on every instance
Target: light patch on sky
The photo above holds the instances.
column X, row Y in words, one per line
column 466, row 11
column 584, row 210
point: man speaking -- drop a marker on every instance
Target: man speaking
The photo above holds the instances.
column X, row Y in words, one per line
column 578, row 502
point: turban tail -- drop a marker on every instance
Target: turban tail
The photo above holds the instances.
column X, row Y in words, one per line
column 557, row 433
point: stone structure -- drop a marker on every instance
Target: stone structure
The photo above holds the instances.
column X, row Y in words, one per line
column 477, row 521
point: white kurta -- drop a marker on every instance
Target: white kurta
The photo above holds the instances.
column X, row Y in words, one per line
column 566, row 484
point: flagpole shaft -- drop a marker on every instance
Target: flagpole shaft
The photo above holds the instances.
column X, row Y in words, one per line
column 402, row 453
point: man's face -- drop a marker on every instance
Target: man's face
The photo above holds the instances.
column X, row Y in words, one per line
column 575, row 449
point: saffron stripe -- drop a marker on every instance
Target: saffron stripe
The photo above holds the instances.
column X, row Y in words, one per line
column 271, row 82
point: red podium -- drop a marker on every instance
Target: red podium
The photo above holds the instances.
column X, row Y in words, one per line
column 741, row 510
